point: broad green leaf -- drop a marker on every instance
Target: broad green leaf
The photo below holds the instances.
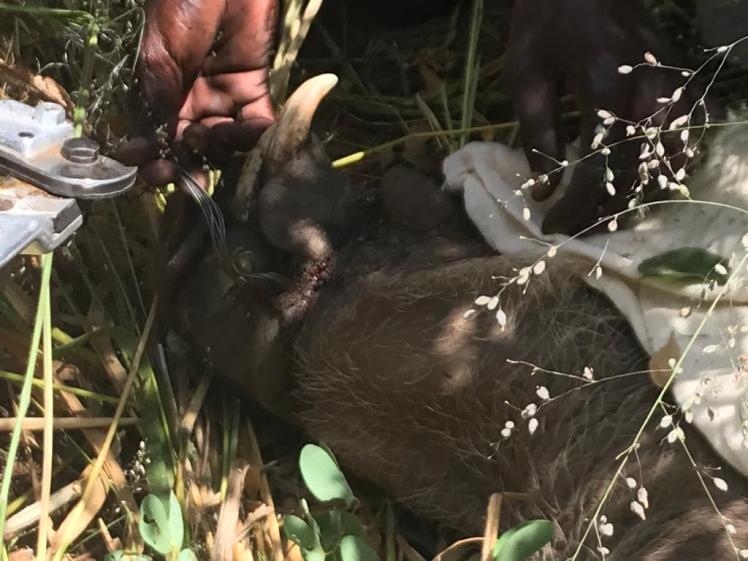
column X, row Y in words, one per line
column 176, row 524
column 520, row 542
column 354, row 548
column 120, row 555
column 161, row 523
column 688, row 265
column 334, row 524
column 322, row 475
column 299, row 532
column 187, row 555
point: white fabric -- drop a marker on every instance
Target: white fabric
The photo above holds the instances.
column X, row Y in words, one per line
column 712, row 384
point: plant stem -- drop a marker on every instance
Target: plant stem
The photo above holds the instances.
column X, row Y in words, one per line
column 25, row 396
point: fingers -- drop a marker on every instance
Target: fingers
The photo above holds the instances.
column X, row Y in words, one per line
column 536, row 105
column 177, row 37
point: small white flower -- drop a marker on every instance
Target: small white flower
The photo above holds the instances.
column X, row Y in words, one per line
column 631, row 483
column 722, row 48
column 538, row 268
column 529, row 411
column 493, row 303
column 597, row 140
column 482, row 300
column 662, row 181
column 588, row 373
column 675, row 434
column 598, row 272
column 660, row 149
column 638, row 509
column 625, row 69
column 610, row 188
column 630, row 130
column 720, row 483
column 609, row 175
column 720, row 268
column 684, row 136
column 501, row 317
column 509, row 425
column 677, row 94
column 730, row 529
column 603, row 550
column 609, row 121
column 506, row 433
column 532, row 425
column 543, row 393
column 679, row 122
column 613, row 225
column 666, row 421
column 689, row 416
column 650, row 58
column 526, row 213
column 643, row 497
column 523, row 276
column 606, row 529
column 603, row 114
column 553, row 250
column 663, row 100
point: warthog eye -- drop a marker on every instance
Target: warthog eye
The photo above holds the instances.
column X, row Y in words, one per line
column 242, row 263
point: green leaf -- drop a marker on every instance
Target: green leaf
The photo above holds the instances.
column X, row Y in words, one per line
column 322, row 475
column 688, row 265
column 354, row 548
column 299, row 532
column 187, row 555
column 520, row 542
column 161, row 525
column 120, row 555
column 334, row 524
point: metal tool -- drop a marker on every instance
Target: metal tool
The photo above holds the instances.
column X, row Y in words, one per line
column 47, row 170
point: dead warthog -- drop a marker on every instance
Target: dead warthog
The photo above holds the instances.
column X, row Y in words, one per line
column 320, row 289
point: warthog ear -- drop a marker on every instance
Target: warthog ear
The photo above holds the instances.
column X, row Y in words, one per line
column 281, row 141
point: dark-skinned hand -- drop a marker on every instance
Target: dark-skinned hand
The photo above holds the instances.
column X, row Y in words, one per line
column 203, row 69
column 580, row 44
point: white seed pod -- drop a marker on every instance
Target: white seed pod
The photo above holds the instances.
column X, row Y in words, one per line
column 606, row 529
column 543, row 393
column 638, row 509
column 730, row 529
column 679, row 122
column 523, row 276
column 469, row 313
column 493, row 303
column 625, row 69
column 650, row 58
column 684, row 136
column 482, row 300
column 720, row 268
column 553, row 250
column 663, row 100
column 631, row 483
column 611, row 189
column 597, row 141
column 720, row 483
column 603, row 114
column 677, row 94
column 609, row 175
column 526, row 214
column 506, row 433
column 680, row 174
column 532, row 425
column 598, row 272
column 643, row 497
column 588, row 373
column 501, row 318
column 662, row 181
column 723, row 48
column 509, row 425
column 630, row 130
column 609, row 121
column 613, row 225
column 666, row 421
column 660, row 149
column 529, row 411
column 538, row 268
column 688, row 416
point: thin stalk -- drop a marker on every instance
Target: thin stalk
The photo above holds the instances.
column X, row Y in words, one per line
column 84, row 91
column 25, row 396
column 48, row 436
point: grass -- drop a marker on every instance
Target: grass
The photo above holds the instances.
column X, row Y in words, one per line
column 414, row 94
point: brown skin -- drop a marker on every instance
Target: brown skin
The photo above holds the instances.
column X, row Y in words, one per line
column 203, row 68
column 577, row 46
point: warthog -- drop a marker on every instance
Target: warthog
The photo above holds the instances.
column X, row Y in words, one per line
column 322, row 297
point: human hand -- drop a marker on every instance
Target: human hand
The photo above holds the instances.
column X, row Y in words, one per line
column 582, row 43
column 203, row 68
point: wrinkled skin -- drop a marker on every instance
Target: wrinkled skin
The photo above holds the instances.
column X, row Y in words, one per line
column 380, row 363
column 577, row 46
column 203, row 67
